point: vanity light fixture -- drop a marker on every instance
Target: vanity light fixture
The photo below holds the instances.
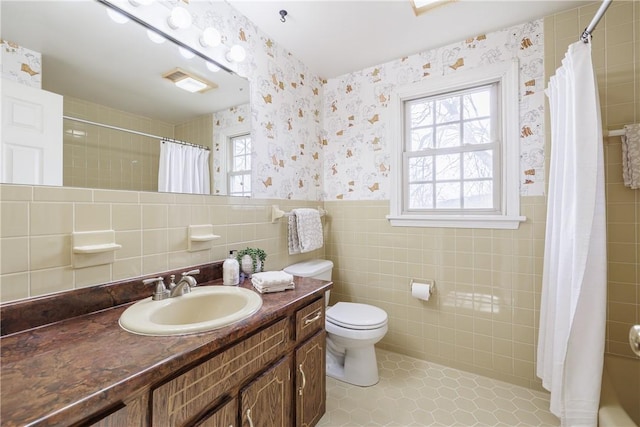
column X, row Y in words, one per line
column 213, row 67
column 179, row 19
column 117, row 17
column 137, row 3
column 189, row 82
column 210, row 37
column 155, row 37
column 236, row 54
column 187, row 54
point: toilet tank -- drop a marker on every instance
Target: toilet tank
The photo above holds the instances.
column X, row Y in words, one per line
column 315, row 268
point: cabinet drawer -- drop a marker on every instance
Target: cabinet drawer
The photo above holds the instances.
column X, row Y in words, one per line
column 309, row 319
column 179, row 400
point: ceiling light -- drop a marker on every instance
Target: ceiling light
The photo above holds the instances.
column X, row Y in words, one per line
column 422, row 6
column 236, row 54
column 191, row 85
column 189, row 82
column 155, row 37
column 117, row 16
column 210, row 37
column 179, row 19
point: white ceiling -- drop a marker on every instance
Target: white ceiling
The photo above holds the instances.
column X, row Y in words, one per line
column 334, row 37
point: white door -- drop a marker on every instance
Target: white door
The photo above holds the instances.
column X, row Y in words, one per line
column 31, row 151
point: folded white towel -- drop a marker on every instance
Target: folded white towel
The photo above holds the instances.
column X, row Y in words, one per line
column 305, row 231
column 270, row 289
column 267, row 279
column 631, row 156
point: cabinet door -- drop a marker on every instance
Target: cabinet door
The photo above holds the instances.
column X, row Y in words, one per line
column 223, row 417
column 266, row 401
column 310, row 382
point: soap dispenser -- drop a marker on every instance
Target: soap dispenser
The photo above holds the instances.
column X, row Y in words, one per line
column 230, row 271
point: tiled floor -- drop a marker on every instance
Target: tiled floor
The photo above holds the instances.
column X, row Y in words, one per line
column 413, row 392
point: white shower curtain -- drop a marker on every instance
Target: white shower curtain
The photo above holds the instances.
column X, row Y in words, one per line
column 183, row 169
column 573, row 306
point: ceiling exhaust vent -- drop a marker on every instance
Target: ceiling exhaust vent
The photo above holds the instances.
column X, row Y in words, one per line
column 189, row 82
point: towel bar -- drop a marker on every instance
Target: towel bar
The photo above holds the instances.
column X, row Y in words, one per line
column 277, row 213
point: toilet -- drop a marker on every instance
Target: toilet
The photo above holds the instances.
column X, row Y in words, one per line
column 352, row 331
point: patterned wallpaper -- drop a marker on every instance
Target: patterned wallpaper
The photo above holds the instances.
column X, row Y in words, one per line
column 232, row 118
column 21, row 64
column 356, row 116
column 286, row 105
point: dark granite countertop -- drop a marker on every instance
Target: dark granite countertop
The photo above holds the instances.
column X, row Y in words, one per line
column 61, row 373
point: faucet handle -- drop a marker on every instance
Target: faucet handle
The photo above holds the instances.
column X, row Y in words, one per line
column 191, row 273
column 161, row 290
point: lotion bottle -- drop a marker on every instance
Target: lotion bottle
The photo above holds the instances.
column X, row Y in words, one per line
column 230, row 271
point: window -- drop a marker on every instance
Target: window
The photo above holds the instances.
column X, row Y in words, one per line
column 457, row 156
column 239, row 170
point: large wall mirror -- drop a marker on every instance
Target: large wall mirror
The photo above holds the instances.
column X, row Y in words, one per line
column 110, row 76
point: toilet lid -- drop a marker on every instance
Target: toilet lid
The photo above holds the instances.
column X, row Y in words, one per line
column 356, row 316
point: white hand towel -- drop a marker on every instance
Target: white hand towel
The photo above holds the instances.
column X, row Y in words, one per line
column 309, row 227
column 270, row 289
column 631, row 156
column 271, row 278
column 294, row 242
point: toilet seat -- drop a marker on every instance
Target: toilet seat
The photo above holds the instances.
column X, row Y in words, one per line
column 356, row 316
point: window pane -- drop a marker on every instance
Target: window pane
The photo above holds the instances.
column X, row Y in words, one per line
column 239, row 164
column 447, row 167
column 477, row 131
column 477, row 104
column 237, row 184
column 421, row 113
column 478, row 194
column 448, row 109
column 421, row 139
column 420, row 196
column 420, row 169
column 478, row 164
column 239, row 147
column 448, row 136
column 448, row 195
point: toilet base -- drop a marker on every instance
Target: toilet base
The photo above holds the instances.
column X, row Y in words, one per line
column 357, row 366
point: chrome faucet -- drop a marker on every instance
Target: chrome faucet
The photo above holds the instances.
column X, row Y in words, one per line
column 184, row 285
column 161, row 291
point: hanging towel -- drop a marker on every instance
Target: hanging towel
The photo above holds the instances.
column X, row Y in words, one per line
column 631, row 156
column 305, row 231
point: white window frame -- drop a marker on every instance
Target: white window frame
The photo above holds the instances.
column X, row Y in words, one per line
column 230, row 172
column 508, row 217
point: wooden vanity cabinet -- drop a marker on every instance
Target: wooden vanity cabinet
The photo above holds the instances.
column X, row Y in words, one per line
column 275, row 377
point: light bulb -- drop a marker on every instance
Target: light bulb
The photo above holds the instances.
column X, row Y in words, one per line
column 186, row 53
column 155, row 37
column 137, row 3
column 117, row 16
column 210, row 37
column 236, row 54
column 179, row 19
column 212, row 67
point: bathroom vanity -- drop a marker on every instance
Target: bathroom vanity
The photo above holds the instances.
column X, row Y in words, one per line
column 266, row 370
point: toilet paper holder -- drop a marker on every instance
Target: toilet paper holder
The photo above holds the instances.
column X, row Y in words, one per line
column 431, row 283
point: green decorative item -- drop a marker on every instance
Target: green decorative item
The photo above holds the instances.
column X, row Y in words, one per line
column 257, row 257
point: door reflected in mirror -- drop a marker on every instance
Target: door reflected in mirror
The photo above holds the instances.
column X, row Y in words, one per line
column 117, row 106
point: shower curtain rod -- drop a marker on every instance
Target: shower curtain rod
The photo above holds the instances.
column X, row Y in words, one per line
column 586, row 34
column 164, row 138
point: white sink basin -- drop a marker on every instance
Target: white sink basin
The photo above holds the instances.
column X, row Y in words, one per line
column 203, row 309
